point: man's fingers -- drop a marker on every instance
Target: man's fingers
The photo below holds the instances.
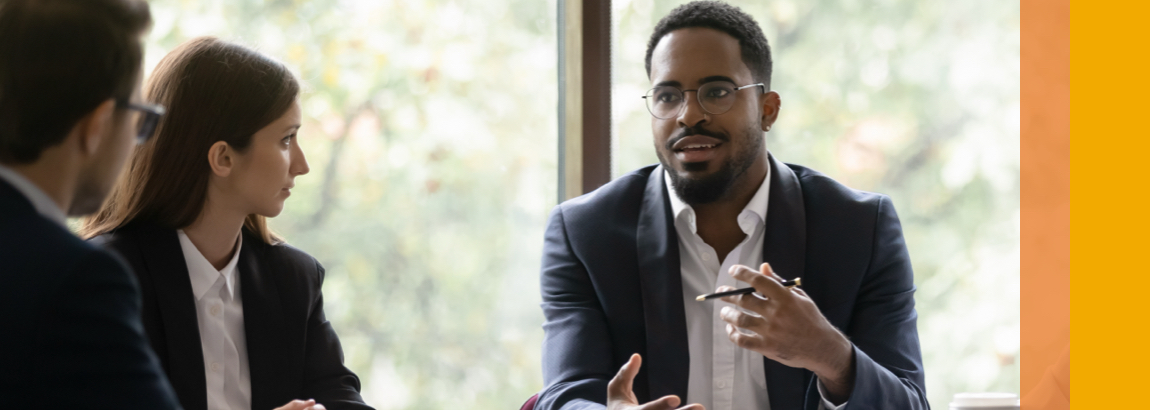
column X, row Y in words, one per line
column 620, row 385
column 669, row 403
column 764, row 284
column 765, row 269
column 663, row 403
column 297, row 405
column 743, row 340
column 740, row 319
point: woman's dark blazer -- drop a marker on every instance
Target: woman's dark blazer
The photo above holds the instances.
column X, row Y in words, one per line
column 293, row 352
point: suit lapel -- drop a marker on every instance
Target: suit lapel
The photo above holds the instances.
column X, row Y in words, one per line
column 784, row 247
column 264, row 325
column 164, row 262
column 667, row 363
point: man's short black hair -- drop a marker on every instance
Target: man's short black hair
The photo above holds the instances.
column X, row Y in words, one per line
column 59, row 60
column 723, row 17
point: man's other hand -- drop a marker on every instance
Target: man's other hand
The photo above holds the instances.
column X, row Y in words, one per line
column 620, row 396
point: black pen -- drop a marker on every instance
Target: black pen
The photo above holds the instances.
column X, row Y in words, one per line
column 788, row 284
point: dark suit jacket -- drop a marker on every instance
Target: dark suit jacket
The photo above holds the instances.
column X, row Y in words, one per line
column 72, row 336
column 611, row 287
column 293, row 352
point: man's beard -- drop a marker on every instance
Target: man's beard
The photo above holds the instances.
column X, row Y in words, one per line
column 713, row 187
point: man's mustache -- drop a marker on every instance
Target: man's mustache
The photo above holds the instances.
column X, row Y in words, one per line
column 696, row 130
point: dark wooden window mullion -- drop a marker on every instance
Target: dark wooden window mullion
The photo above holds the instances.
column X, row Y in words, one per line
column 596, row 93
column 584, row 96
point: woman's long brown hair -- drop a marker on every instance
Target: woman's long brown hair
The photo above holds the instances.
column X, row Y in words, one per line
column 214, row 91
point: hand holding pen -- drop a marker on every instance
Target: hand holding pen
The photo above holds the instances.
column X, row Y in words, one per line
column 787, row 284
column 786, row 326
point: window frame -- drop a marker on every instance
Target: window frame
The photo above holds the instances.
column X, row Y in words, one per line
column 584, row 145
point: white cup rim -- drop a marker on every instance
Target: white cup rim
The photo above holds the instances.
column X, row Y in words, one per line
column 988, row 399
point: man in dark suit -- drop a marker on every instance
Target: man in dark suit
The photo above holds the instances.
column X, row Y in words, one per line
column 622, row 265
column 69, row 90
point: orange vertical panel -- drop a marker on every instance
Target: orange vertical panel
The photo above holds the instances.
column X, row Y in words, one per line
column 1045, row 202
column 1110, row 193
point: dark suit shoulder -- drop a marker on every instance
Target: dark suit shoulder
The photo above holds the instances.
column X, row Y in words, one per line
column 853, row 225
column 290, row 254
column 289, row 263
column 68, row 300
column 616, row 204
column 29, row 243
column 625, row 189
column 123, row 241
column 823, row 191
column 40, row 255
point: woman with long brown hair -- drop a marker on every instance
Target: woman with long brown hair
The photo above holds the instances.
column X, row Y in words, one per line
column 234, row 314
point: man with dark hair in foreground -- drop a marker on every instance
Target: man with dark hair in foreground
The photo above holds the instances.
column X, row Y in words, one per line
column 69, row 105
column 622, row 266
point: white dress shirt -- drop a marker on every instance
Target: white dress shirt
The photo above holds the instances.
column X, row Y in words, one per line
column 41, row 201
column 722, row 376
column 220, row 314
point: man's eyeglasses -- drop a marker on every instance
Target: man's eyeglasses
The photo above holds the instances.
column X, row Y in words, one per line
column 149, row 118
column 715, row 97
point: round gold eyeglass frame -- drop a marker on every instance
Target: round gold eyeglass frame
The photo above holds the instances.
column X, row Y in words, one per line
column 711, row 104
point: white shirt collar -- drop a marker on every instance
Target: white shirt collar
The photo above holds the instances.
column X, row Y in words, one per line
column 202, row 273
column 757, row 206
column 40, row 200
